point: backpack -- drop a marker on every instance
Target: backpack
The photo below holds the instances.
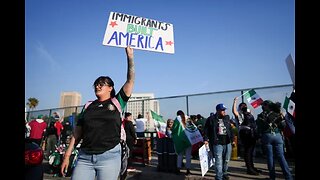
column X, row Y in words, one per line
column 276, row 120
column 124, row 147
column 272, row 119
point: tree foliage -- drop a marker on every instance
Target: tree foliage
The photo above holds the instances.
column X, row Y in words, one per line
column 32, row 103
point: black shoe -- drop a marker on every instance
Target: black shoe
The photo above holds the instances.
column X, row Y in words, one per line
column 177, row 172
column 257, row 170
column 226, row 177
column 252, row 172
column 188, row 172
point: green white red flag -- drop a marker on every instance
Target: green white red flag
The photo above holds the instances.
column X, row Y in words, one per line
column 253, row 98
column 160, row 124
column 184, row 137
column 289, row 106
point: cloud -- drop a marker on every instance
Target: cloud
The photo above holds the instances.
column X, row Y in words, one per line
column 46, row 57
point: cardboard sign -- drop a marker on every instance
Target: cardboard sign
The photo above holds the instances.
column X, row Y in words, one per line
column 206, row 159
column 138, row 32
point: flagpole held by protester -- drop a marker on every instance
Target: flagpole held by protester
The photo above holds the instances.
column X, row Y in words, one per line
column 243, row 94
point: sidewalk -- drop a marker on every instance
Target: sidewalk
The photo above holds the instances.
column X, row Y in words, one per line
column 237, row 171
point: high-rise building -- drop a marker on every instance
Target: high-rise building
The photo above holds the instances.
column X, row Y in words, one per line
column 68, row 99
column 138, row 105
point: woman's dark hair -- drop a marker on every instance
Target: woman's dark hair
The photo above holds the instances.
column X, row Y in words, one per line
column 168, row 121
column 127, row 114
column 183, row 117
column 243, row 107
column 140, row 116
column 108, row 80
column 242, row 104
column 276, row 107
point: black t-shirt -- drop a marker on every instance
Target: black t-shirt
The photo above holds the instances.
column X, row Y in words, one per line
column 248, row 120
column 101, row 123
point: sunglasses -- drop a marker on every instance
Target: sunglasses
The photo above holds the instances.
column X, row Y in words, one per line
column 100, row 84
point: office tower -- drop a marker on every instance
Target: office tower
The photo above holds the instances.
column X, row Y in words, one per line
column 68, row 99
column 139, row 105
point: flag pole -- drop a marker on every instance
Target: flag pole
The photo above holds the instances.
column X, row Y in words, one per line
column 243, row 93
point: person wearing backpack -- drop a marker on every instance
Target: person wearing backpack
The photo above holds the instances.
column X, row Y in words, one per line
column 270, row 123
column 51, row 138
column 99, row 128
column 247, row 132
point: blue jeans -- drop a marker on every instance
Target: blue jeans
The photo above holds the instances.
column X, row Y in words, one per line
column 222, row 154
column 105, row 166
column 274, row 141
column 187, row 152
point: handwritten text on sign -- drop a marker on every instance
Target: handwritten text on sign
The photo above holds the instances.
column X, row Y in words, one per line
column 140, row 33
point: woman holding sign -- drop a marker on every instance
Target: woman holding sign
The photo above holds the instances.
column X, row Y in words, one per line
column 99, row 127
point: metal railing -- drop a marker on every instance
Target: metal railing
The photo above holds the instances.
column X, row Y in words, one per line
column 192, row 104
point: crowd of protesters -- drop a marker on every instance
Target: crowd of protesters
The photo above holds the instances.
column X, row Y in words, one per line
column 272, row 129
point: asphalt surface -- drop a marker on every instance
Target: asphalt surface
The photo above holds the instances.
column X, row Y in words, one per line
column 237, row 171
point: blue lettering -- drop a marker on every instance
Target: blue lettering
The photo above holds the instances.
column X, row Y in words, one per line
column 124, row 36
column 149, row 43
column 132, row 39
column 140, row 37
column 114, row 37
column 135, row 40
column 146, row 41
column 159, row 44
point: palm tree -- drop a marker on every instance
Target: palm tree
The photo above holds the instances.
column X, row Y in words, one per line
column 32, row 103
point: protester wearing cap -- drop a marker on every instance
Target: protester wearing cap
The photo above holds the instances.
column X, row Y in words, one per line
column 218, row 136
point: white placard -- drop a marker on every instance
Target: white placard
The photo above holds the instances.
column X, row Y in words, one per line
column 206, row 160
column 138, row 32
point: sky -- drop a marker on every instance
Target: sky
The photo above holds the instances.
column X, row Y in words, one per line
column 219, row 46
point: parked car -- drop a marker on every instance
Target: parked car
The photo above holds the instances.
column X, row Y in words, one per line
column 33, row 157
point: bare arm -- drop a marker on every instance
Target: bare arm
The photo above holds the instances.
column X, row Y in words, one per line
column 75, row 139
column 234, row 107
column 128, row 86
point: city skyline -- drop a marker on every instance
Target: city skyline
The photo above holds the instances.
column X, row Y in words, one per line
column 192, row 104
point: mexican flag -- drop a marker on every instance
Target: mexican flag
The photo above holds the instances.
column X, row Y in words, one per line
column 253, row 98
column 289, row 106
column 184, row 137
column 160, row 124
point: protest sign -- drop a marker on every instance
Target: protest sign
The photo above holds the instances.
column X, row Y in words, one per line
column 139, row 33
column 206, row 160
